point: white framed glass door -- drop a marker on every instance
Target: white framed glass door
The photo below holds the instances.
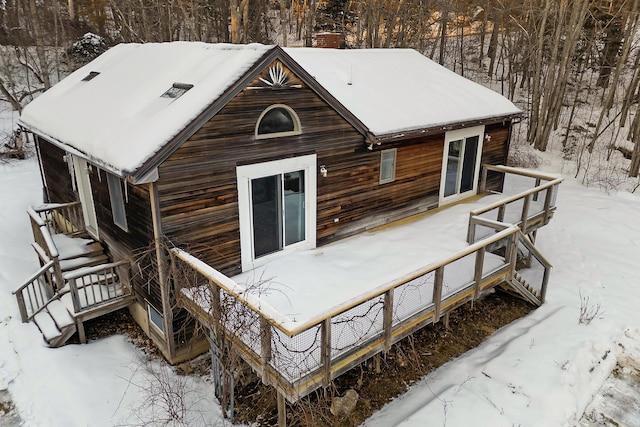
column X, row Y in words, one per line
column 461, row 164
column 81, row 171
column 277, row 208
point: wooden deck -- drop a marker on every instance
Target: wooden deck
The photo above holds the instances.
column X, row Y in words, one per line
column 299, row 357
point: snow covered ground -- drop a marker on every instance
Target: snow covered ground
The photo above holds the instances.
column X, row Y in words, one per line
column 542, row 370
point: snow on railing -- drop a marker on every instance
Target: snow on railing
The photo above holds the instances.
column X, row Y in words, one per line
column 532, row 205
column 299, row 358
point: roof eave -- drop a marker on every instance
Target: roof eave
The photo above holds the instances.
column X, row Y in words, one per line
column 399, row 136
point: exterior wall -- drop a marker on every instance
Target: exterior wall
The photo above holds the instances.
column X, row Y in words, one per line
column 197, row 184
column 58, row 184
column 495, row 151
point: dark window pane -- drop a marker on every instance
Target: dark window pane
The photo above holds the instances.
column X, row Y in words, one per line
column 453, row 161
column 294, row 207
column 265, row 198
column 469, row 164
column 275, row 121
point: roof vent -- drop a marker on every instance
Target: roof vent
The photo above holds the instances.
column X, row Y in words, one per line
column 90, row 76
column 176, row 91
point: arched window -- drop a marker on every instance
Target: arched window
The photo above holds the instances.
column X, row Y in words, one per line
column 277, row 120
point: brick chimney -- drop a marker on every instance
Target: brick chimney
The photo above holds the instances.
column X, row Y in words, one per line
column 328, row 40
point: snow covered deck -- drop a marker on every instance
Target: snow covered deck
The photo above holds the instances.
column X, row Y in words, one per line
column 307, row 317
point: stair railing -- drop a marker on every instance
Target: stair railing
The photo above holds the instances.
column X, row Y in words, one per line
column 45, row 247
column 94, row 286
column 33, row 295
column 61, row 218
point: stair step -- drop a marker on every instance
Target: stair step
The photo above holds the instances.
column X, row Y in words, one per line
column 75, row 263
column 47, row 326
column 75, row 247
column 60, row 314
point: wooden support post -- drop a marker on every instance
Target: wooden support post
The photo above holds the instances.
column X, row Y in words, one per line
column 265, row 345
column 446, row 319
column 501, row 213
column 437, row 293
column 282, row 411
column 325, row 352
column 525, row 213
column 377, row 363
column 387, row 319
column 477, row 277
column 81, row 335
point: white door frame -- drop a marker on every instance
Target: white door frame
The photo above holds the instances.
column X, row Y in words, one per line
column 81, row 171
column 456, row 135
column 259, row 170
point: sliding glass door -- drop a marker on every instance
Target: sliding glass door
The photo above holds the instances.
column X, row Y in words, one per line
column 461, row 163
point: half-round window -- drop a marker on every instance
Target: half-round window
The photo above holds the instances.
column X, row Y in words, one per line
column 277, row 120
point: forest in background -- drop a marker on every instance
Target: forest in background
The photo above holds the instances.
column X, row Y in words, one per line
column 572, row 66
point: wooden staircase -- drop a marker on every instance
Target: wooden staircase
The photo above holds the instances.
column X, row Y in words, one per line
column 76, row 281
column 56, row 323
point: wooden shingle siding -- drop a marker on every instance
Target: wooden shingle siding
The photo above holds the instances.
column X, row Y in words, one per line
column 56, row 173
column 197, row 185
column 128, row 244
column 494, row 152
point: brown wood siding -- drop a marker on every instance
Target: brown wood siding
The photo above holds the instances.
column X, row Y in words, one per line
column 133, row 244
column 56, row 173
column 494, row 152
column 197, row 185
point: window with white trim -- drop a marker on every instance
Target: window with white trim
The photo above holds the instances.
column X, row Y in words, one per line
column 277, row 120
column 387, row 166
column 155, row 318
column 277, row 206
column 118, row 211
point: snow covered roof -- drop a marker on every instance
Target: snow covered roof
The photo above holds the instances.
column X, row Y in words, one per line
column 118, row 118
column 397, row 90
column 124, row 107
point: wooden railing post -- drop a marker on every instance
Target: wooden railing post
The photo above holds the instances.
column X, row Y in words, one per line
column 511, row 253
column 477, row 276
column 22, row 307
column 547, row 205
column 471, row 230
column 265, row 345
column 437, row 293
column 325, row 351
column 483, row 180
column 387, row 319
column 525, row 213
column 75, row 295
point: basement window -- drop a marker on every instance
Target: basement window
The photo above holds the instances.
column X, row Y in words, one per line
column 117, row 202
column 90, row 76
column 155, row 318
column 176, row 91
column 387, row 166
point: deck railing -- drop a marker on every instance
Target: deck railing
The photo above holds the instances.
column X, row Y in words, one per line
column 531, row 207
column 298, row 358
